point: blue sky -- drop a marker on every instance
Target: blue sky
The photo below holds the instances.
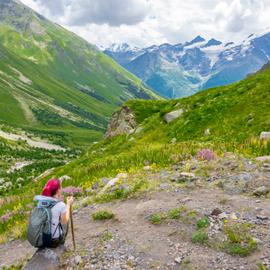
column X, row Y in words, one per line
column 147, row 22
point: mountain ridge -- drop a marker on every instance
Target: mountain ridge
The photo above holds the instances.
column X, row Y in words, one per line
column 186, row 68
column 50, row 76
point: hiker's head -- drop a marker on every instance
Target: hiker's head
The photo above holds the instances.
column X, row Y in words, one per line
column 52, row 188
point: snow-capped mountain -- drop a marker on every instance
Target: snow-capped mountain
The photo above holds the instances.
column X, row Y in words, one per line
column 123, row 53
column 186, row 68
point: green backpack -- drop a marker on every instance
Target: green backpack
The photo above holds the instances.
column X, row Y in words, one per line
column 39, row 228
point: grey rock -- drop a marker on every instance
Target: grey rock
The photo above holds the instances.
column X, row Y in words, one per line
column 78, row 259
column 262, row 217
column 64, row 178
column 138, row 130
column 265, row 135
column 178, row 260
column 260, row 191
column 164, row 186
column 207, row 132
column 223, row 215
column 258, row 241
column 132, row 139
column 122, row 122
column 183, row 177
column 147, row 168
column 110, row 184
column 216, row 212
column 263, row 159
column 122, row 175
column 169, row 117
column 46, row 259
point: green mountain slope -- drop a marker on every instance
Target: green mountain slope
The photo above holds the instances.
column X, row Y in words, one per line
column 55, row 82
column 228, row 118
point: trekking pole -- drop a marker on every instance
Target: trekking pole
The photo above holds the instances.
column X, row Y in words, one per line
column 72, row 228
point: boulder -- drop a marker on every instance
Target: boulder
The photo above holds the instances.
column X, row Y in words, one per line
column 110, row 184
column 169, row 117
column 183, row 177
column 207, row 132
column 262, row 217
column 147, row 168
column 121, row 122
column 263, row 159
column 216, row 212
column 260, row 191
column 138, row 130
column 265, row 135
column 64, row 178
column 122, row 175
column 223, row 215
column 45, row 259
column 77, row 259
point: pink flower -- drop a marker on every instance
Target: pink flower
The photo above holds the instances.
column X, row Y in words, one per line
column 206, row 154
column 72, row 191
column 5, row 217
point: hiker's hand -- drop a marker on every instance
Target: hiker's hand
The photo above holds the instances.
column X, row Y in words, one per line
column 70, row 200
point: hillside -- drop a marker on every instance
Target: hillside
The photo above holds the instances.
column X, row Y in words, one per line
column 55, row 84
column 184, row 69
column 186, row 186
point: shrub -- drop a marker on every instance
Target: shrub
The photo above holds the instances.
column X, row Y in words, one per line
column 174, row 213
column 239, row 240
column 106, row 236
column 200, row 237
column 203, row 223
column 156, row 219
column 102, row 215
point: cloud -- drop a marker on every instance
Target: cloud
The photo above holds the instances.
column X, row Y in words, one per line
column 239, row 14
column 111, row 12
column 53, row 7
column 147, row 22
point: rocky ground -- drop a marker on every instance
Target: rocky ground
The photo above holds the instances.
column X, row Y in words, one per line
column 228, row 189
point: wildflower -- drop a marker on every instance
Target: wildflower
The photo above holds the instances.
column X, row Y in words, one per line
column 72, row 191
column 5, row 217
column 206, row 154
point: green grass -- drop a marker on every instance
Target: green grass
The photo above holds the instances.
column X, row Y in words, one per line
column 203, row 223
column 200, row 237
column 102, row 215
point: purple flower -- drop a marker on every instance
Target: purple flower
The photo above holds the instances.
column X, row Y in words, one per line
column 5, row 217
column 206, row 154
column 72, row 191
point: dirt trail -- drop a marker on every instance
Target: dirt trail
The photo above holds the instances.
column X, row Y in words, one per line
column 146, row 246
column 157, row 246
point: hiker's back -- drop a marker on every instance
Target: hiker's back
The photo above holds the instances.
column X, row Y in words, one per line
column 39, row 231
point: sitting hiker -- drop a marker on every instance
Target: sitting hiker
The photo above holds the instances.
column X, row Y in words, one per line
column 48, row 222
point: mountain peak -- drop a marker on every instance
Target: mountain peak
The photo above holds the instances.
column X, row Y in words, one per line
column 212, row 42
column 197, row 39
column 121, row 47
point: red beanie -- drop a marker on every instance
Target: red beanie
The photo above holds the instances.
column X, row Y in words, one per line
column 51, row 187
